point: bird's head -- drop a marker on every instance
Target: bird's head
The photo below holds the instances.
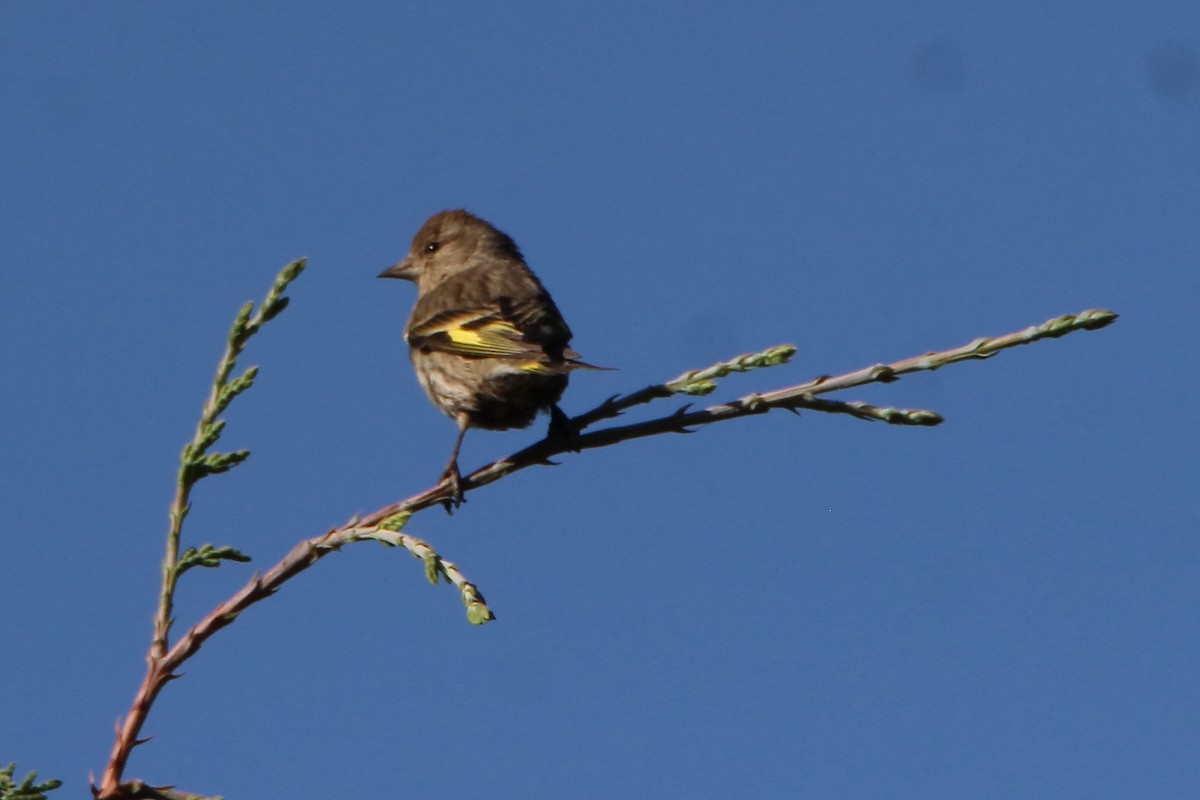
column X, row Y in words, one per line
column 448, row 243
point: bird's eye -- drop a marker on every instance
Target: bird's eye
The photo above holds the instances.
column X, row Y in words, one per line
column 432, row 247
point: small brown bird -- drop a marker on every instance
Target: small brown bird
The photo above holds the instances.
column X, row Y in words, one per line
column 488, row 344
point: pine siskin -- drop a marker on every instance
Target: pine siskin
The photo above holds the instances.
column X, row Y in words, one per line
column 488, row 344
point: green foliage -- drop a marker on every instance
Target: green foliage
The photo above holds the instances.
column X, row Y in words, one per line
column 434, row 572
column 197, row 462
column 478, row 612
column 437, row 568
column 208, row 556
column 233, row 389
column 703, row 381
column 214, row 463
column 396, row 521
column 28, row 789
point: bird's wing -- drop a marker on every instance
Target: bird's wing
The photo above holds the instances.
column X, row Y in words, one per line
column 503, row 330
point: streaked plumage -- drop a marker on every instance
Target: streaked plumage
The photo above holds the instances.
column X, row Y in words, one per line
column 487, row 342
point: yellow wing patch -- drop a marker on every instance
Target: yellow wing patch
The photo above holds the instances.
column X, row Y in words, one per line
column 477, row 333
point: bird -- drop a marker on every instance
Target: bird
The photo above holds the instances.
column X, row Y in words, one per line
column 486, row 341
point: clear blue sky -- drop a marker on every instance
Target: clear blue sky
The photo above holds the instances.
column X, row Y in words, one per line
column 782, row 607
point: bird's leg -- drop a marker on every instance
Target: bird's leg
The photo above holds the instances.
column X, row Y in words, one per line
column 451, row 473
column 561, row 431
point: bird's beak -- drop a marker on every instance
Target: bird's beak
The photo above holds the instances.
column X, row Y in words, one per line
column 405, row 270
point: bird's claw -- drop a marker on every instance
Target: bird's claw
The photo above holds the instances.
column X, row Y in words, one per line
column 453, row 479
column 562, row 432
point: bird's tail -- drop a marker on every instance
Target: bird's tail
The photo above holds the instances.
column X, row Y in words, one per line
column 571, row 358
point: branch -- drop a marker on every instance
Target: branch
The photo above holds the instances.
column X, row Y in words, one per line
column 163, row 660
column 195, row 464
column 792, row 398
column 309, row 552
column 385, row 525
column 305, row 554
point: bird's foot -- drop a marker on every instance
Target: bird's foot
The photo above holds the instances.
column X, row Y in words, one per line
column 562, row 432
column 453, row 478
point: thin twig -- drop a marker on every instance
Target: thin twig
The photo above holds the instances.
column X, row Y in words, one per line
column 792, row 398
column 196, row 463
column 302, row 556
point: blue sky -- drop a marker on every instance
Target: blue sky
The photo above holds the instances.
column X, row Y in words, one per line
column 781, row 607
